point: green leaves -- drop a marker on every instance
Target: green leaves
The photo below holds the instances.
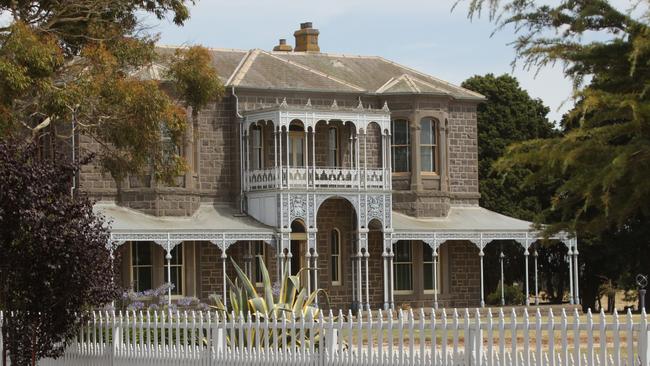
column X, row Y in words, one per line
column 194, row 77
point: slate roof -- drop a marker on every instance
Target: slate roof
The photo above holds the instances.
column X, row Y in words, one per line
column 324, row 72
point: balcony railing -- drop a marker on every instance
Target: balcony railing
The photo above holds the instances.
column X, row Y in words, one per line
column 317, row 178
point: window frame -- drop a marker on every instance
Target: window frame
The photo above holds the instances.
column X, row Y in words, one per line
column 433, row 146
column 133, row 267
column 337, row 147
column 258, row 256
column 438, row 271
column 335, row 233
column 394, row 146
column 181, row 248
column 409, row 263
column 256, row 151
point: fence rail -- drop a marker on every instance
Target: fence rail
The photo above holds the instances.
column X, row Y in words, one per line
column 378, row 338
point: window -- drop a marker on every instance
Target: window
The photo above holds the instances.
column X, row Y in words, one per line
column 176, row 269
column 333, row 147
column 427, row 266
column 257, row 162
column 141, row 266
column 403, row 266
column 258, row 258
column 335, row 260
column 428, row 144
column 400, row 145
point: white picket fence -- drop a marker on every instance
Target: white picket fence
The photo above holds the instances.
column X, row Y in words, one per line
column 377, row 338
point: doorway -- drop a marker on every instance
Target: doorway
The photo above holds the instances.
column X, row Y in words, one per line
column 298, row 247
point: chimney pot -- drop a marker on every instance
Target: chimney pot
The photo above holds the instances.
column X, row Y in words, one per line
column 283, row 46
column 306, row 38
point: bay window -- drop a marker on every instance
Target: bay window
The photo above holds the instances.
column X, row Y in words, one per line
column 400, row 145
column 428, row 145
column 256, row 148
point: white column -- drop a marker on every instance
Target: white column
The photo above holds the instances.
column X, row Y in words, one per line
column 315, row 258
column 313, row 155
column 366, row 257
column 365, row 159
column 503, row 281
column 308, row 260
column 526, row 253
column 359, row 278
column 389, row 161
column 384, row 256
column 435, row 276
column 481, row 254
column 288, row 147
column 570, row 254
column 351, row 150
column 275, row 155
column 391, row 256
column 306, row 157
column 356, row 160
column 353, row 257
column 168, row 257
column 576, row 270
column 223, row 272
column 535, row 254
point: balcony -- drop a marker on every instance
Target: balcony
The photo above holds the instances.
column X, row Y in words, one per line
column 317, row 178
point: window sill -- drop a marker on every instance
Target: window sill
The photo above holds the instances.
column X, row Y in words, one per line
column 430, row 292
column 404, row 292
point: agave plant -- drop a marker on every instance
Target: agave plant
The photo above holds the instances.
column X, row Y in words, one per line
column 292, row 303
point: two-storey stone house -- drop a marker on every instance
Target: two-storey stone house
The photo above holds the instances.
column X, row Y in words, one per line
column 358, row 170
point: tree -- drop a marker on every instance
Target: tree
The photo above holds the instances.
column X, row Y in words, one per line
column 77, row 63
column 55, row 259
column 509, row 115
column 602, row 159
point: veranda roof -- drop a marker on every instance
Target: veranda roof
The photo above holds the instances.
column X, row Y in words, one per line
column 473, row 223
column 473, row 218
column 218, row 224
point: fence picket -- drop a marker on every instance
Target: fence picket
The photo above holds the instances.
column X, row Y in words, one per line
column 202, row 338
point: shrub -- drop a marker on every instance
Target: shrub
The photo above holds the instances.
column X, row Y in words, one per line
column 513, row 295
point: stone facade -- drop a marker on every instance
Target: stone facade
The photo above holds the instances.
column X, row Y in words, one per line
column 216, row 173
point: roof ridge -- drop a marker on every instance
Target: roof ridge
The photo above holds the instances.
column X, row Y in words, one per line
column 432, row 77
column 414, row 79
column 411, row 83
column 225, row 49
column 386, row 85
column 244, row 66
column 309, row 69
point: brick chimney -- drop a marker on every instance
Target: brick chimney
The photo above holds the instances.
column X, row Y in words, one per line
column 306, row 38
column 283, row 46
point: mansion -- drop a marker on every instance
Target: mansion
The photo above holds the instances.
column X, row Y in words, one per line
column 358, row 172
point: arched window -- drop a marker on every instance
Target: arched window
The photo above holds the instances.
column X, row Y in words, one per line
column 257, row 161
column 335, row 260
column 400, row 145
column 428, row 145
column 333, row 147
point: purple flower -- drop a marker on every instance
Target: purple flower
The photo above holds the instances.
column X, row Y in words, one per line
column 153, row 307
column 136, row 305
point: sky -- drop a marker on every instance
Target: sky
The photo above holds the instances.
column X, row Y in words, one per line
column 423, row 34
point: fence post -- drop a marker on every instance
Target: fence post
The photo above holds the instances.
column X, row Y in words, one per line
column 644, row 340
column 473, row 341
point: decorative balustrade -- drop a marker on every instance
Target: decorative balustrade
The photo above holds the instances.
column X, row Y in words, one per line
column 317, row 178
